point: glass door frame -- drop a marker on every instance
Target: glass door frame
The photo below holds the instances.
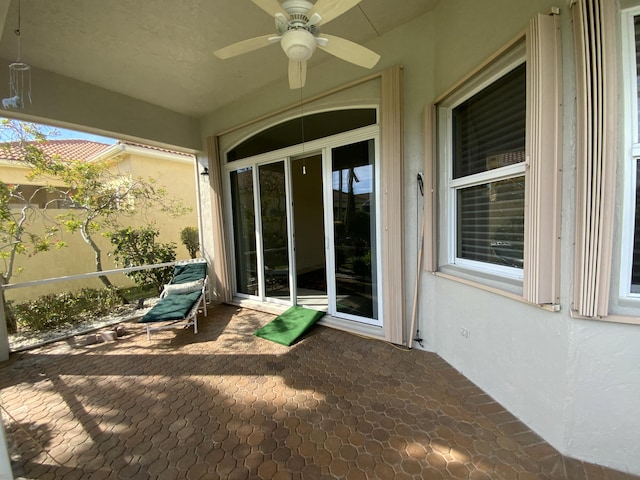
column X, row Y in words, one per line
column 348, row 138
column 259, row 232
column 321, row 147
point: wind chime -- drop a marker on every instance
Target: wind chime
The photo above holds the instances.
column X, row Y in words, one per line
column 19, row 79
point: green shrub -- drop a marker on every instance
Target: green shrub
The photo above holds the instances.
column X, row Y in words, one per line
column 57, row 310
column 137, row 246
column 362, row 266
column 139, row 292
column 191, row 240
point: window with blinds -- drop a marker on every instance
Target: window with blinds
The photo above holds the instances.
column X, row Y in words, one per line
column 498, row 163
column 488, row 145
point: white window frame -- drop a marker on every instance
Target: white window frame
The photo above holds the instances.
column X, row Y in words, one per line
column 500, row 67
column 631, row 154
column 538, row 282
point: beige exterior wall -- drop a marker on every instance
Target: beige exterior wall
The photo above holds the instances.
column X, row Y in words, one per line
column 13, row 173
column 176, row 176
column 573, row 381
column 75, row 258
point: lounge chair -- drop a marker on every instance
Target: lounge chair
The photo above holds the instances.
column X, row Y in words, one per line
column 180, row 299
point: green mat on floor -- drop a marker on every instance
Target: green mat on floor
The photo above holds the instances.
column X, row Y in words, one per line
column 288, row 327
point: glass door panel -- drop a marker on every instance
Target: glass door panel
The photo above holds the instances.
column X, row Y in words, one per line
column 275, row 235
column 308, row 221
column 354, row 223
column 244, row 231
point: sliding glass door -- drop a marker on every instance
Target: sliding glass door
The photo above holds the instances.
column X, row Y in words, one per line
column 275, row 231
column 305, row 230
column 309, row 232
column 354, row 229
column 244, row 231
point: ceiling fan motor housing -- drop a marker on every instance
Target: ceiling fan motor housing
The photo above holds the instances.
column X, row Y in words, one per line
column 297, row 8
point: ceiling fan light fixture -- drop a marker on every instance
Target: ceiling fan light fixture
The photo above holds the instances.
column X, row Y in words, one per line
column 298, row 44
column 297, row 25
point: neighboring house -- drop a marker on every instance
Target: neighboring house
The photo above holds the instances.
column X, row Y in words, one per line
column 171, row 170
column 523, row 124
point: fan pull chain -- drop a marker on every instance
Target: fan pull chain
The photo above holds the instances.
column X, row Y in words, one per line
column 304, row 160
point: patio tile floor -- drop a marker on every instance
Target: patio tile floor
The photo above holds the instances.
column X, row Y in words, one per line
column 226, row 404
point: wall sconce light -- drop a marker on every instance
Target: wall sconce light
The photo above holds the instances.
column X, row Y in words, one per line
column 205, row 172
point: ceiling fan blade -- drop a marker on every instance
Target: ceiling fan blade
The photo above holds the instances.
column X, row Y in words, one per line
column 271, row 7
column 349, row 51
column 297, row 74
column 245, row 46
column 330, row 9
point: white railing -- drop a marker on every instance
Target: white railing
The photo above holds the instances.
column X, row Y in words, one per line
column 4, row 337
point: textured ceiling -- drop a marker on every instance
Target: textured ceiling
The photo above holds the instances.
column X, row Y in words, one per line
column 160, row 51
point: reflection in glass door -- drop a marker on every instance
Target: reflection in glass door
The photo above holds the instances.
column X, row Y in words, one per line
column 354, row 230
column 244, row 231
column 275, row 232
column 309, row 234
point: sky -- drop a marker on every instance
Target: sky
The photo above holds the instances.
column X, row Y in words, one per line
column 61, row 134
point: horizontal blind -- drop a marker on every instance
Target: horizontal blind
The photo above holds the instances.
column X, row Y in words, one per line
column 489, row 128
column 491, row 222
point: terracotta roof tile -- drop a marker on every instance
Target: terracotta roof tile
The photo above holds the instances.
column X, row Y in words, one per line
column 159, row 149
column 70, row 149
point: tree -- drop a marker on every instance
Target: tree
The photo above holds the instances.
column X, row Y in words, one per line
column 134, row 247
column 191, row 240
column 101, row 197
column 18, row 215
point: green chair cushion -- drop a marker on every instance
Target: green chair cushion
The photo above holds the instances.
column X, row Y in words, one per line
column 171, row 307
column 188, row 272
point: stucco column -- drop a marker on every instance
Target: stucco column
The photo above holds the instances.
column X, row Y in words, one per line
column 5, row 463
column 4, row 336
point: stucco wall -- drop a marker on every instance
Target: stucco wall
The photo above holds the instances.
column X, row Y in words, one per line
column 67, row 102
column 575, row 382
column 73, row 259
column 176, row 177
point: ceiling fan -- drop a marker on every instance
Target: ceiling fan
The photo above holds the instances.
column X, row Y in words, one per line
column 297, row 26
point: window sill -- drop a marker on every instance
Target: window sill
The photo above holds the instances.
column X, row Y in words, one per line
column 625, row 319
column 622, row 309
column 508, row 288
column 510, row 285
